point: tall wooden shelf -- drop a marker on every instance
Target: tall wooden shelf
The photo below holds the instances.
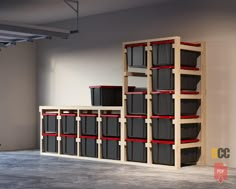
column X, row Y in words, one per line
column 177, row 96
column 178, row 46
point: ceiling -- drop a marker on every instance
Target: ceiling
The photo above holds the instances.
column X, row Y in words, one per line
column 46, row 11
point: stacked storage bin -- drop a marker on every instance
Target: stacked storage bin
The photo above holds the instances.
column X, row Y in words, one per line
column 102, row 95
column 68, row 133
column 163, row 152
column 136, row 105
column 88, row 135
column 105, row 95
column 136, row 130
column 136, row 55
column 110, row 136
column 163, row 80
column 50, row 132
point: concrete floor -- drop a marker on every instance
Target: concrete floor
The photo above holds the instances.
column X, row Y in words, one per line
column 29, row 170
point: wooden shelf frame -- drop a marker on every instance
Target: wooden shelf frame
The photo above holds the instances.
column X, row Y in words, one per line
column 188, row 72
column 177, row 121
column 178, row 46
column 78, row 109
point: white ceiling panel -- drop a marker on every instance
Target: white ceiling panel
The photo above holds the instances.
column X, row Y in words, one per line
column 45, row 11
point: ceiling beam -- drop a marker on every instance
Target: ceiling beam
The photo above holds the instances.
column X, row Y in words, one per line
column 3, row 40
column 12, row 36
column 34, row 30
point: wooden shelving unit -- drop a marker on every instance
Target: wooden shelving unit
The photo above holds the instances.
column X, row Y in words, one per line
column 177, row 121
column 76, row 109
column 177, row 96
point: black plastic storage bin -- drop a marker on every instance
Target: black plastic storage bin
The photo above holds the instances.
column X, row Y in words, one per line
column 137, row 55
column 163, row 103
column 110, row 125
column 69, row 145
column 163, row 54
column 88, row 146
column 162, row 153
column 68, row 123
column 107, row 95
column 50, row 142
column 88, row 124
column 164, row 129
column 136, row 103
column 163, row 79
column 136, row 126
column 50, row 124
column 136, row 150
column 110, row 148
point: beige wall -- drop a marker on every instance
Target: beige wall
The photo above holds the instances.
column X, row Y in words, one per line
column 67, row 68
column 18, row 97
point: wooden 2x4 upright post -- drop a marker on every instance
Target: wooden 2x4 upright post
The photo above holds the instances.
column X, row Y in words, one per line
column 177, row 102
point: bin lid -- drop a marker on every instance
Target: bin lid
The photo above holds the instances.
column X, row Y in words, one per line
column 173, row 117
column 69, row 114
column 191, row 44
column 111, row 115
column 69, row 135
column 172, row 92
column 173, row 142
column 88, row 115
column 49, row 134
column 135, row 140
column 135, row 116
column 89, row 137
column 136, row 45
column 172, row 41
column 109, row 138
